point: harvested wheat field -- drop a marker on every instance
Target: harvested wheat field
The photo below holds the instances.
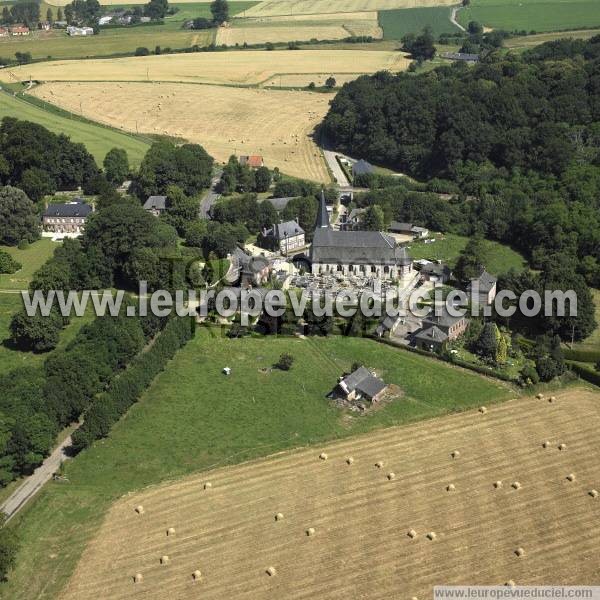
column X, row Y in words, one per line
column 225, row 120
column 247, row 67
column 231, row 36
column 298, row 7
column 327, row 523
column 302, row 81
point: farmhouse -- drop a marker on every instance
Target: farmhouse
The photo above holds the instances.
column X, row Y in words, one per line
column 483, row 288
column 361, row 383
column 357, row 252
column 156, row 205
column 431, row 339
column 352, row 219
column 248, row 271
column 408, row 229
column 461, row 56
column 19, row 30
column 254, row 161
column 286, row 236
column 66, row 218
column 450, row 325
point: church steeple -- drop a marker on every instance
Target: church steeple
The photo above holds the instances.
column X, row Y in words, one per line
column 322, row 214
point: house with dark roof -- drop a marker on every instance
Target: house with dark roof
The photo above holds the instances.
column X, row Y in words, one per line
column 248, row 271
column 408, row 229
column 452, row 326
column 435, row 272
column 431, row 339
column 368, row 253
column 67, row 219
column 362, row 167
column 287, row 236
column 279, row 204
column 360, row 384
column 352, row 219
column 461, row 56
column 483, row 289
column 156, row 205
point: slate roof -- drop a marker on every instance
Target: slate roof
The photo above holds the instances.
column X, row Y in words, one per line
column 444, row 320
column 363, row 381
column 436, row 269
column 287, row 229
column 362, row 167
column 461, row 56
column 357, row 247
column 396, row 226
column 156, row 203
column 322, row 221
column 486, row 282
column 70, row 209
column 432, row 334
column 280, row 203
column 355, row 213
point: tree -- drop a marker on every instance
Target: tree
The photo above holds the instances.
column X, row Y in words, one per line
column 220, row 11
column 597, row 366
column 330, row 82
column 472, row 260
column 202, row 23
column 83, row 12
column 142, row 51
column 262, row 179
column 49, row 15
column 9, row 546
column 59, row 14
column 37, row 333
column 25, row 12
column 181, row 209
column 285, row 362
column 486, row 345
column 8, row 264
column 373, row 219
column 474, row 28
column 420, row 47
column 156, row 9
column 18, row 217
column 23, row 58
column 6, row 18
column 116, row 165
column 37, row 183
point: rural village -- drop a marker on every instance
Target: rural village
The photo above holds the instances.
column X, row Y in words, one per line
column 440, row 157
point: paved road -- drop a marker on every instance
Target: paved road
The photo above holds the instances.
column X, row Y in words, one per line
column 35, row 481
column 210, row 197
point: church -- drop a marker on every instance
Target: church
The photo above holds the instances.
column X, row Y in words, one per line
column 364, row 253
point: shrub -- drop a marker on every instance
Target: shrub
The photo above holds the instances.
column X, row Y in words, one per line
column 285, row 362
column 8, row 264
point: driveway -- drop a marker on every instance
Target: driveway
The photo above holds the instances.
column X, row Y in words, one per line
column 210, row 197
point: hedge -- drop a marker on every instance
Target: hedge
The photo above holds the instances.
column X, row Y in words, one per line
column 126, row 389
column 591, row 356
column 584, row 373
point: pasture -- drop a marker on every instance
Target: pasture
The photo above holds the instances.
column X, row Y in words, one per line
column 193, row 418
column 529, row 41
column 243, row 68
column 97, row 139
column 448, row 247
column 270, row 8
column 225, row 120
column 470, row 498
column 532, row 15
column 397, row 23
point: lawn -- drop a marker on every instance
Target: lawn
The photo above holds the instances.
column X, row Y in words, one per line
column 448, row 247
column 397, row 23
column 194, row 418
column 32, row 259
column 532, row 15
column 528, row 41
column 97, row 138
column 592, row 342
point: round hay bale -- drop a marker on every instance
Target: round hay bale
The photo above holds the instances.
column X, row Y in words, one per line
column 497, row 484
column 170, row 531
column 271, row 571
column 412, row 534
column 520, row 552
column 451, row 488
column 593, row 493
column 414, row 598
column 431, row 535
column 207, row 485
column 379, row 464
column 482, row 410
column 164, row 560
column 391, row 476
column 571, row 477
column 279, row 517
column 455, row 454
column 138, row 578
column 196, row 575
column 323, row 456
column 562, row 446
column 310, row 531
column 516, row 485
column 546, row 444
column 539, row 396
column 139, row 510
column 552, row 399
column 349, row 460
column 510, row 583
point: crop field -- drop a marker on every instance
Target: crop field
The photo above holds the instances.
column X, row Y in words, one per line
column 225, row 120
column 269, row 8
column 397, row 23
column 286, row 80
column 276, row 33
column 528, row 41
column 532, row 15
column 431, row 513
column 97, row 139
column 248, row 67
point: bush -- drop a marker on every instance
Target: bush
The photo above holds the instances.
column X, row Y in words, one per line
column 37, row 333
column 8, row 264
column 142, row 51
column 285, row 362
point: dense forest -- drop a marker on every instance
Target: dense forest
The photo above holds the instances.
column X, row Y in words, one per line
column 516, row 138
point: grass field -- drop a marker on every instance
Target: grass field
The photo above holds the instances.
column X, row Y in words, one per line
column 447, row 248
column 248, row 67
column 528, row 41
column 225, row 120
column 31, row 258
column 97, row 139
column 193, row 419
column 270, row 8
column 361, row 518
column 397, row 23
column 592, row 342
column 532, row 15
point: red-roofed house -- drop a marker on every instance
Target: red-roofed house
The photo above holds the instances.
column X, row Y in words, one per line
column 19, row 30
column 3, row 32
column 254, row 161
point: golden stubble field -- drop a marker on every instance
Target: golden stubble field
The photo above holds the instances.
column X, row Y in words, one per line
column 298, row 7
column 361, row 514
column 277, row 124
column 247, row 67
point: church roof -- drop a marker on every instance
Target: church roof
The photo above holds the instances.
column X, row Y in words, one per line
column 322, row 214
